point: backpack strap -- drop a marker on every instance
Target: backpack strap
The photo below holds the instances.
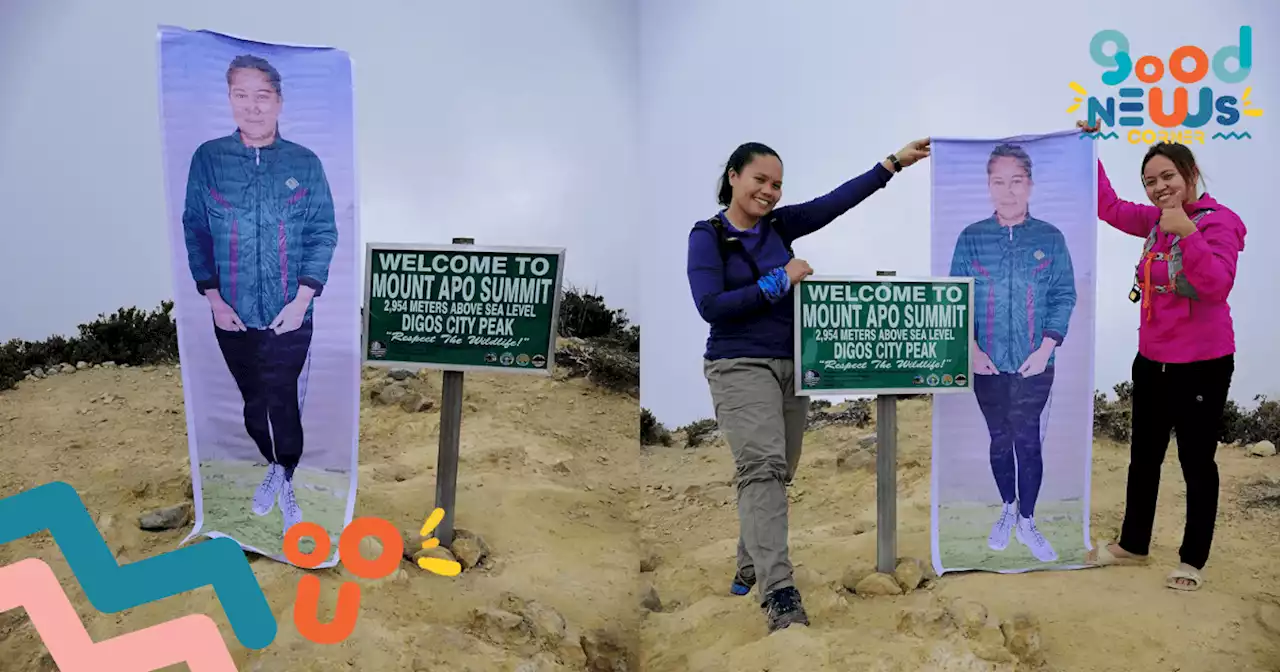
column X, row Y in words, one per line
column 727, row 239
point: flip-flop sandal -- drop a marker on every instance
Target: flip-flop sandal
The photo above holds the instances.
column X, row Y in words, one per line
column 1187, row 573
column 1105, row 558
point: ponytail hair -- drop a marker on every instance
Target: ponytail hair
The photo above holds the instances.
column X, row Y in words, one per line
column 737, row 161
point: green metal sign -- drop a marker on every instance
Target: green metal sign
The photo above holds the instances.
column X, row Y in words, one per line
column 462, row 307
column 887, row 335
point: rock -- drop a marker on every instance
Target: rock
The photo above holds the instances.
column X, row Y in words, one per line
column 970, row 616
column 469, row 548
column 605, row 653
column 853, row 459
column 413, row 402
column 1022, row 638
column 370, row 548
column 878, row 584
column 139, row 488
column 909, row 574
column 167, row 518
column 67, row 368
column 545, row 623
column 400, row 374
column 81, row 366
column 498, row 625
column 853, row 576
column 1269, row 617
column 391, row 394
column 868, row 442
column 438, row 552
column 38, row 372
column 108, row 365
column 650, row 600
column 928, row 623
column 1262, row 449
column 649, row 559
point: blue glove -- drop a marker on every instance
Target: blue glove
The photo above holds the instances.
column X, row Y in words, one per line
column 775, row 284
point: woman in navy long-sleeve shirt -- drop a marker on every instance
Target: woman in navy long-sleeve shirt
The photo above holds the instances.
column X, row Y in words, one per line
column 741, row 271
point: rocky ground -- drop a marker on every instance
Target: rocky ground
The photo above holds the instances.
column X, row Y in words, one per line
column 1076, row 621
column 546, row 485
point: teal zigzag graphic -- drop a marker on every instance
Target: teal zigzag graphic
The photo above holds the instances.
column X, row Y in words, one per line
column 112, row 588
column 1232, row 136
column 1104, row 136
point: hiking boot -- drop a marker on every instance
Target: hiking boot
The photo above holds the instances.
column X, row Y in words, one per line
column 1003, row 529
column 289, row 506
column 742, row 582
column 783, row 609
column 1029, row 536
column 264, row 499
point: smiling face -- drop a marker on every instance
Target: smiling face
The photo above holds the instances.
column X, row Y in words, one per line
column 757, row 189
column 1166, row 186
column 255, row 104
column 1010, row 187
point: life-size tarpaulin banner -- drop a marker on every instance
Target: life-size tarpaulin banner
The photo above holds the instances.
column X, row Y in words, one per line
column 259, row 160
column 1011, row 460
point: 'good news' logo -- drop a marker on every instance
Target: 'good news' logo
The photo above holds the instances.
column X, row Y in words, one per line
column 1168, row 105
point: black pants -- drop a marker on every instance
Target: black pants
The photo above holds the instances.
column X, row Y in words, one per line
column 266, row 369
column 1012, row 406
column 1188, row 399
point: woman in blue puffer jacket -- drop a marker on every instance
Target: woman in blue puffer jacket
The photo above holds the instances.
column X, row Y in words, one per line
column 260, row 234
column 1024, row 293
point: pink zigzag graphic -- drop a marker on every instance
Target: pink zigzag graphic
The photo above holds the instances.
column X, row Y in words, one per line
column 193, row 639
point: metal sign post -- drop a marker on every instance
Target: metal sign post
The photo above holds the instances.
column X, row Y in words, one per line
column 886, row 477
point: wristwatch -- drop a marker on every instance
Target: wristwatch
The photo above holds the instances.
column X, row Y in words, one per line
column 897, row 165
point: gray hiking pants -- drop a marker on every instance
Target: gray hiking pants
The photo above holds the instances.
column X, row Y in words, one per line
column 763, row 420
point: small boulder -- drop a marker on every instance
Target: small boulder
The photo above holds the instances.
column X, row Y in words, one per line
column 81, row 366
column 416, row 403
column 167, row 518
column 909, row 574
column 400, row 374
column 1022, row 638
column 650, row 599
column 1262, row 449
column 853, row 576
column 878, row 584
column 605, row 652
column 391, row 395
column 67, row 368
column 469, row 548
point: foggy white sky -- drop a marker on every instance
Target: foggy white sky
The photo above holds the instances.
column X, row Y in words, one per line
column 602, row 127
column 835, row 87
column 510, row 122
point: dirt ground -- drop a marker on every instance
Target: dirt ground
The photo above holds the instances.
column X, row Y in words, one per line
column 547, row 479
column 1071, row 621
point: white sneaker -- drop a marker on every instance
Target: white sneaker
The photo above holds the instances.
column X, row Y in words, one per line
column 265, row 497
column 1029, row 536
column 289, row 506
column 1003, row 529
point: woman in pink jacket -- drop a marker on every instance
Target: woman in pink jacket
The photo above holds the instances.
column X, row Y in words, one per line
column 1186, row 349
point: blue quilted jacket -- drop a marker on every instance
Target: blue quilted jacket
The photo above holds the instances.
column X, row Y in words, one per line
column 1024, row 287
column 259, row 222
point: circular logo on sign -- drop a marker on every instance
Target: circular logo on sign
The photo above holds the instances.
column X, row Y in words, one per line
column 508, row 358
column 491, row 357
column 811, row 377
column 377, row 349
column 946, row 379
column 933, row 379
column 961, row 379
column 522, row 359
column 539, row 361
column 918, row 380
